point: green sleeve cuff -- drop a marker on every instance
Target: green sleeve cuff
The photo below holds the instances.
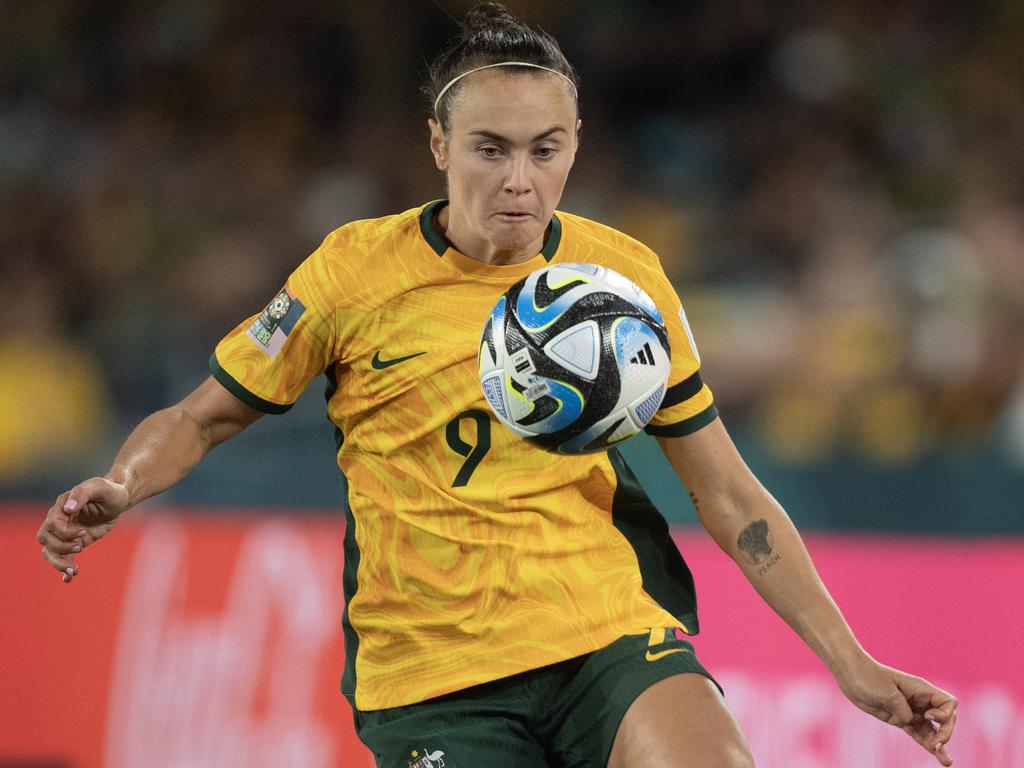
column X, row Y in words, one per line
column 231, row 385
column 686, row 426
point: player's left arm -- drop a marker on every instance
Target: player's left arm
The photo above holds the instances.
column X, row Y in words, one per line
column 754, row 530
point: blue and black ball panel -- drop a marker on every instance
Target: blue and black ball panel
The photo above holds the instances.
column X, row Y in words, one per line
column 552, row 323
column 540, row 303
column 494, row 327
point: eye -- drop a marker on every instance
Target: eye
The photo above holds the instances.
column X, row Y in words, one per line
column 490, row 152
column 545, row 153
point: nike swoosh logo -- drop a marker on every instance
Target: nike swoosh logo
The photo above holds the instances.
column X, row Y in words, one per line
column 380, row 365
column 655, row 656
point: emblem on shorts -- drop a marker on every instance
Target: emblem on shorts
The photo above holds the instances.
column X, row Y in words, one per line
column 661, row 636
column 425, row 759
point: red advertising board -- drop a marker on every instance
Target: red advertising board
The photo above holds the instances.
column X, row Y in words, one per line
column 198, row 640
column 186, row 640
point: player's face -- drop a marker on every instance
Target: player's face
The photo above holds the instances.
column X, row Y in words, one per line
column 511, row 141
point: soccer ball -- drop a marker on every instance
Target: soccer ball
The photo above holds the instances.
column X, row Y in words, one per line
column 574, row 358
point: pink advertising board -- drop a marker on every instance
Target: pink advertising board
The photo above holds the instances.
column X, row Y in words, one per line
column 950, row 611
column 214, row 640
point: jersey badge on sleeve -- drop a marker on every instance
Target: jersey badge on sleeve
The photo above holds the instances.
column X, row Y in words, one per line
column 271, row 328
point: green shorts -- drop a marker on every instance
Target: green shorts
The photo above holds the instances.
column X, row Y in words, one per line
column 566, row 714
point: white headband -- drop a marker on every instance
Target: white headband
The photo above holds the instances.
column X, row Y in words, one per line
column 456, row 79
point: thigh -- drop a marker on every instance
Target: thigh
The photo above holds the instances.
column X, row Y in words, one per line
column 680, row 721
column 601, row 690
column 456, row 731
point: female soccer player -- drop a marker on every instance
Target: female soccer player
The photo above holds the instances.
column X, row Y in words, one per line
column 504, row 607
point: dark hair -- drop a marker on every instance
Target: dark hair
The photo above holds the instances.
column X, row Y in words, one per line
column 490, row 34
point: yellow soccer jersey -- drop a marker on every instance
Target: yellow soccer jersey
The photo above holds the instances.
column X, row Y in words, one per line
column 470, row 554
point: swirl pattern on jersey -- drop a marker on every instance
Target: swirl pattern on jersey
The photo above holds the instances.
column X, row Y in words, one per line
column 520, row 565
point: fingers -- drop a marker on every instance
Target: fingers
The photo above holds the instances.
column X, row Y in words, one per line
column 939, row 712
column 935, row 717
column 65, row 564
column 61, row 539
column 943, row 720
column 926, row 713
column 57, row 545
column 937, row 748
column 926, row 733
column 921, row 732
column 77, row 497
column 58, row 525
column 944, row 714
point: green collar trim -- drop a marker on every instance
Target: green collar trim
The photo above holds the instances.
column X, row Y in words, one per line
column 553, row 239
column 439, row 243
column 434, row 239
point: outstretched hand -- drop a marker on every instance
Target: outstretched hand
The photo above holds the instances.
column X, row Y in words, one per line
column 925, row 712
column 78, row 518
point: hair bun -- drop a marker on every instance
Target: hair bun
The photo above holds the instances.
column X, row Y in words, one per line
column 488, row 15
column 489, row 36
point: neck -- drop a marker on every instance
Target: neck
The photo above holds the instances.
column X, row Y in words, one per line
column 468, row 243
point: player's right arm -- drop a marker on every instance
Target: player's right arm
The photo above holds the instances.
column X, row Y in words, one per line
column 159, row 452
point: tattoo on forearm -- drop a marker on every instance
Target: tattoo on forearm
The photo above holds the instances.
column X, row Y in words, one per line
column 755, row 543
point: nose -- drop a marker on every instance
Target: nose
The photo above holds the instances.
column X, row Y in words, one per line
column 518, row 182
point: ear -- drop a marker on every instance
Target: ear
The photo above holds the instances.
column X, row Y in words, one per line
column 576, row 142
column 438, row 145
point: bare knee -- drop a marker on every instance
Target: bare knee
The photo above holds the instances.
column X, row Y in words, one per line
column 683, row 722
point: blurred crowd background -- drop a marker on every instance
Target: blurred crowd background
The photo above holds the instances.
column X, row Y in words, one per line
column 836, row 190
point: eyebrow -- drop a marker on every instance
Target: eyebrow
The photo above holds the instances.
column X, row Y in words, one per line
column 498, row 137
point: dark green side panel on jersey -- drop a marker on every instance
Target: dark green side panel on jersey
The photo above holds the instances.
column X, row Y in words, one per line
column 349, row 584
column 439, row 243
column 665, row 574
column 332, row 387
column 349, row 581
